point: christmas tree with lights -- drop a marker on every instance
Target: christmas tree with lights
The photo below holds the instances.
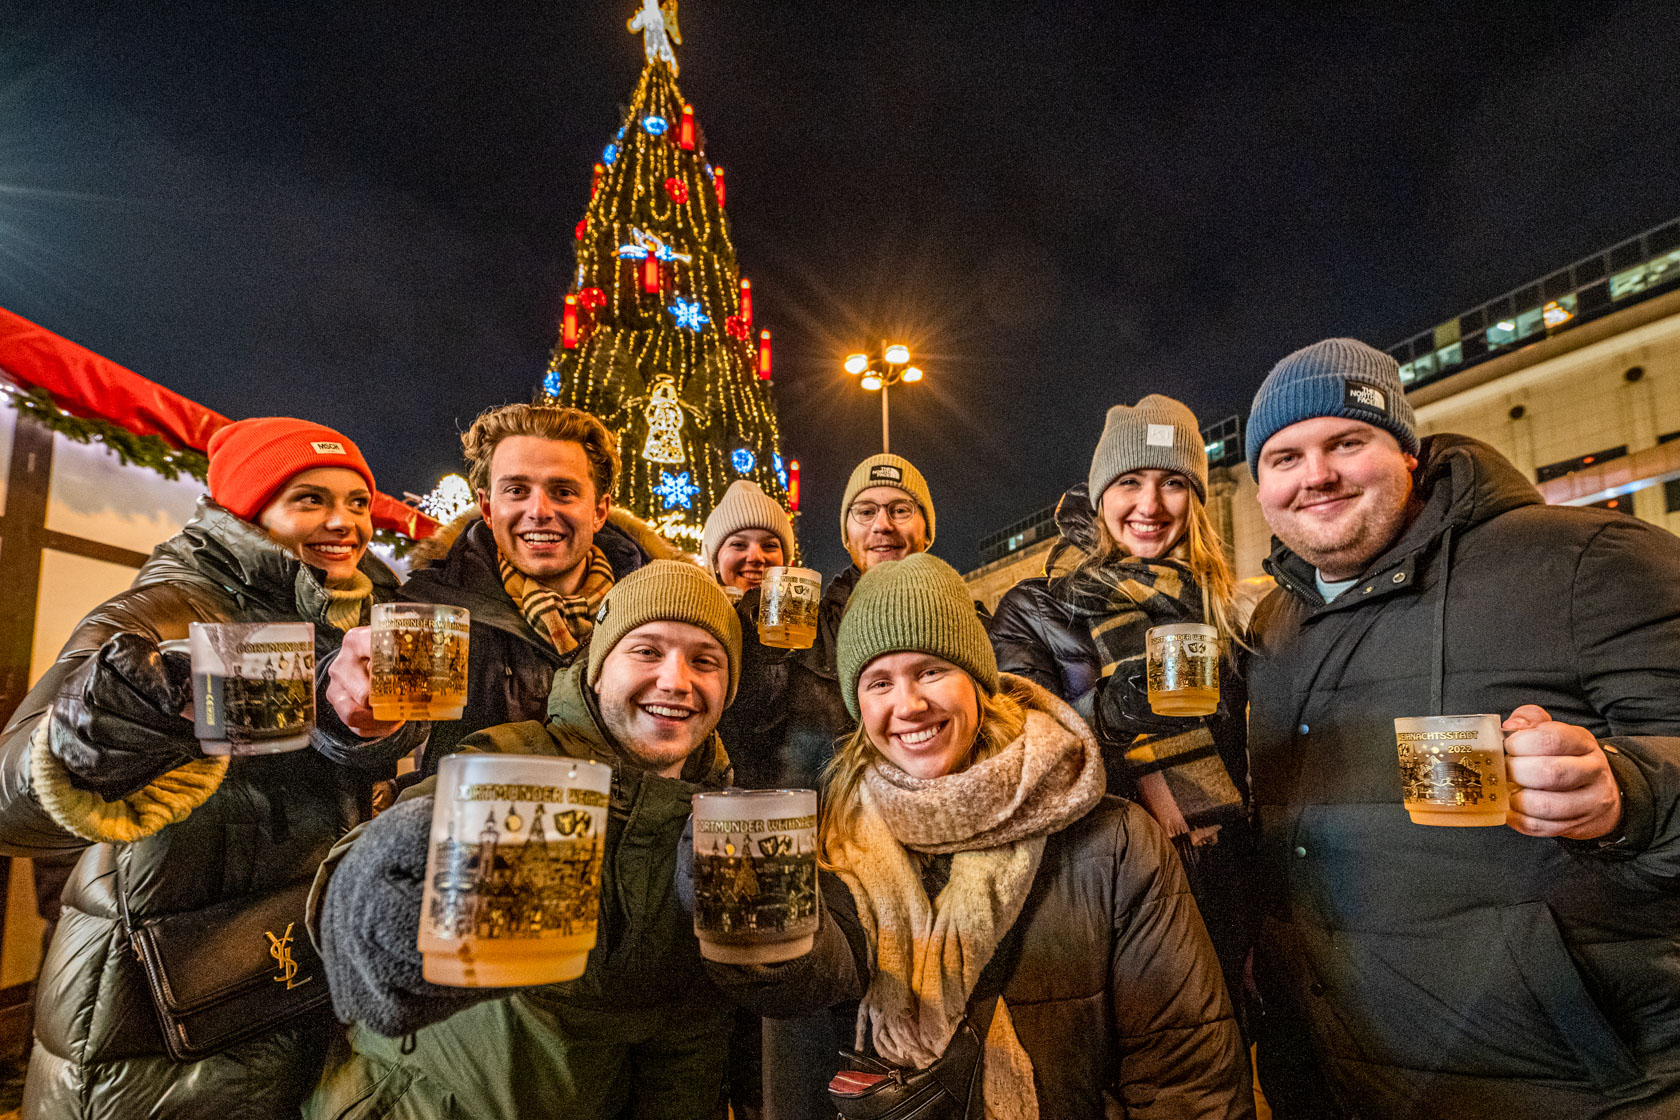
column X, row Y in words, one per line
column 657, row 336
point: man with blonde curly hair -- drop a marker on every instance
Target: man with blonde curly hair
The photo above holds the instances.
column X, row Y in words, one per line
column 531, row 562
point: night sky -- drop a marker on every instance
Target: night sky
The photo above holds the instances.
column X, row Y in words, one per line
column 362, row 213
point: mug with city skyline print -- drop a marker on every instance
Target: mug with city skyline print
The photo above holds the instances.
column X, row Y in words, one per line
column 513, row 871
column 1452, row 770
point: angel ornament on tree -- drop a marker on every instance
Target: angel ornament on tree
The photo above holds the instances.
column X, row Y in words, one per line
column 658, row 25
column 665, row 418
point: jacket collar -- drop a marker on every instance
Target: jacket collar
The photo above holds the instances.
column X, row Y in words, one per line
column 1460, row 483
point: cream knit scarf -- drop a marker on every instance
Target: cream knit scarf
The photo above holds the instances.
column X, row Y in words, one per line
column 994, row 817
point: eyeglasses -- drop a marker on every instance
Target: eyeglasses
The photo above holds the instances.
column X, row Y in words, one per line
column 865, row 513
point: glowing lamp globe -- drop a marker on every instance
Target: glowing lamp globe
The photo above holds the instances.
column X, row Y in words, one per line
column 857, row 363
column 897, row 355
column 912, row 374
column 871, row 382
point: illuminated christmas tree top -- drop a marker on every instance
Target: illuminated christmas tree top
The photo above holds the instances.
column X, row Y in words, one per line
column 657, row 336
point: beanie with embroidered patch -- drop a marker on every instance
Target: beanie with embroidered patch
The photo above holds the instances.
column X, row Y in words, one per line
column 251, row 460
column 744, row 506
column 665, row 591
column 1337, row 377
column 1156, row 433
column 887, row 470
column 918, row 603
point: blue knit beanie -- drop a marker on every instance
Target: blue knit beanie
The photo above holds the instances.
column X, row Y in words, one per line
column 1336, row 377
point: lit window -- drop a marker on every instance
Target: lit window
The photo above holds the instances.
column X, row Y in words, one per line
column 1627, row 282
column 1424, row 366
column 1502, row 333
column 1214, row 448
column 1529, row 322
column 1406, row 374
column 1448, row 356
column 1558, row 312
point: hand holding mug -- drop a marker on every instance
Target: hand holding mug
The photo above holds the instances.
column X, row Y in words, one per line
column 1563, row 783
column 350, row 684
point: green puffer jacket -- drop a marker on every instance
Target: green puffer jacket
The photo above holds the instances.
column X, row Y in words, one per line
column 264, row 823
column 641, row 1033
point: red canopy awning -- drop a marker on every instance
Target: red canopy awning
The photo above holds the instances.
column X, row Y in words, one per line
column 85, row 384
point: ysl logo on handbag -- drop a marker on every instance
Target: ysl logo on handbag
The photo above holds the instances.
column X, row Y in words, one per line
column 280, row 948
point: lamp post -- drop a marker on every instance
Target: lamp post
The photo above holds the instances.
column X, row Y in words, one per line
column 883, row 372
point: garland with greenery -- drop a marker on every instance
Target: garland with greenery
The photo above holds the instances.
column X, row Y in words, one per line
column 151, row 452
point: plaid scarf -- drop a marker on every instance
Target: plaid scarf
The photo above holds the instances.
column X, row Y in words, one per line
column 1179, row 775
column 565, row 620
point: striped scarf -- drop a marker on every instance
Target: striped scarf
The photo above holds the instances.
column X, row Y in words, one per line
column 1179, row 776
column 565, row 620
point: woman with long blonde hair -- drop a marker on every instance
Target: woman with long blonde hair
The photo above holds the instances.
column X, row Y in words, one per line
column 1138, row 550
column 981, row 891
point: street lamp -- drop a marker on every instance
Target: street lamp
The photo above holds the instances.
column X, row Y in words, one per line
column 883, row 372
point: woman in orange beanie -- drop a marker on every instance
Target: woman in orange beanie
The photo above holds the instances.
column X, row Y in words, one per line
column 208, row 856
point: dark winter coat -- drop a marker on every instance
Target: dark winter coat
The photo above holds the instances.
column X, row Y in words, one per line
column 510, row 667
column 642, row 1023
column 1037, row 635
column 1114, row 993
column 788, row 713
column 1457, row 972
column 98, row 1050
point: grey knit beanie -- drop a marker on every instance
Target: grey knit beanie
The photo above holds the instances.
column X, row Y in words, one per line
column 887, row 470
column 744, row 506
column 1336, row 377
column 919, row 603
column 1157, row 433
column 665, row 591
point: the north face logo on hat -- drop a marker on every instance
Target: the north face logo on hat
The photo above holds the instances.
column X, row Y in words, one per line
column 885, row 472
column 327, row 447
column 1358, row 394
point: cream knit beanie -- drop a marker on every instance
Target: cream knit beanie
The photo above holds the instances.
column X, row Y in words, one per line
column 1157, row 433
column 887, row 470
column 665, row 591
column 744, row 506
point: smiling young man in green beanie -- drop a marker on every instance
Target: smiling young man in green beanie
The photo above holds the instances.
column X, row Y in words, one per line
column 642, row 1032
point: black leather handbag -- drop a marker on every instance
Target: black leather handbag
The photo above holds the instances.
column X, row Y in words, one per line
column 230, row 972
column 949, row 1089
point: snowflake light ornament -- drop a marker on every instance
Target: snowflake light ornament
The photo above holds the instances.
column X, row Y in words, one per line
column 688, row 314
column 675, row 490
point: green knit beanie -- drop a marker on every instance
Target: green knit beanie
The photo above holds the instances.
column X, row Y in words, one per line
column 1157, row 433
column 666, row 591
column 919, row 603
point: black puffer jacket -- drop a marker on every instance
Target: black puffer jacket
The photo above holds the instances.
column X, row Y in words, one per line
column 1459, row 972
column 788, row 714
column 1113, row 996
column 98, row 1051
column 510, row 668
column 1037, row 635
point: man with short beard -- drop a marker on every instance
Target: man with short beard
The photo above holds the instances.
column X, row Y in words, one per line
column 531, row 562
column 1523, row 970
column 642, row 1032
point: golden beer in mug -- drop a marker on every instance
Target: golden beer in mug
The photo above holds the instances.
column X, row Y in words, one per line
column 1452, row 770
column 787, row 607
column 1182, row 668
column 418, row 661
column 513, row 874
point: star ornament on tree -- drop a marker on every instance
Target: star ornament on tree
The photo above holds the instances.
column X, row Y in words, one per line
column 675, row 490
column 688, row 314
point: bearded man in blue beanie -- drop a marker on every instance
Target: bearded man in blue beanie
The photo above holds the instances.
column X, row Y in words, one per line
column 1530, row 969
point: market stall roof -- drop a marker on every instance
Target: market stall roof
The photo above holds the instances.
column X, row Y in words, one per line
column 84, row 384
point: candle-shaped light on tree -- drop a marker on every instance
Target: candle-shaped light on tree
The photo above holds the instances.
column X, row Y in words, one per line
column 685, row 130
column 793, row 485
column 650, row 273
column 569, row 323
column 595, row 184
column 717, row 183
column 764, row 355
column 746, row 302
